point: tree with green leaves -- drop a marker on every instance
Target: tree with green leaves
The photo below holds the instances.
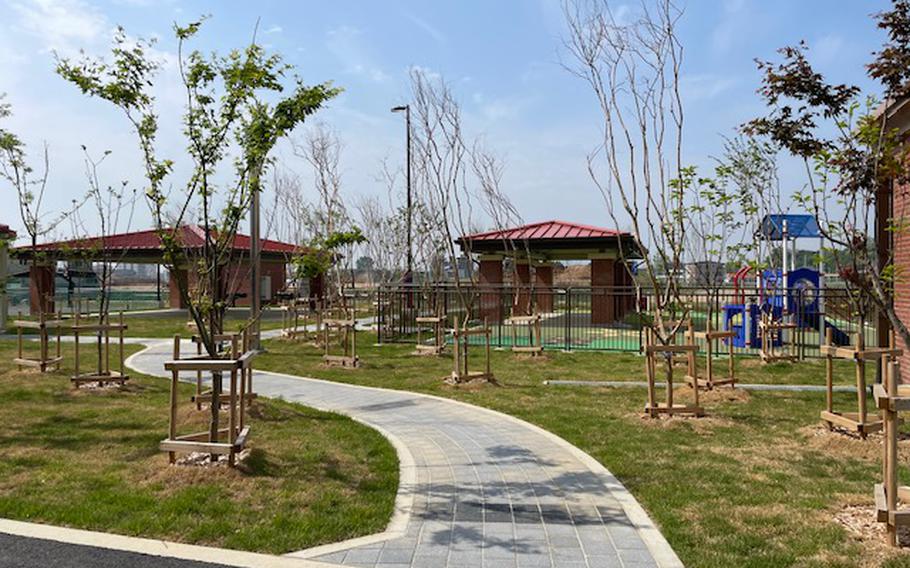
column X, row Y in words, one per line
column 851, row 157
column 232, row 101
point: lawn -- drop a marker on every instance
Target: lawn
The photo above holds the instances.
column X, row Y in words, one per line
column 90, row 460
column 757, row 483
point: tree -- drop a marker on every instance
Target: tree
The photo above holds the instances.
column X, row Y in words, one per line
column 633, row 70
column 30, row 185
column 850, row 155
column 226, row 104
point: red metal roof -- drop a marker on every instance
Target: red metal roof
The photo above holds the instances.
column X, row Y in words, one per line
column 544, row 230
column 191, row 236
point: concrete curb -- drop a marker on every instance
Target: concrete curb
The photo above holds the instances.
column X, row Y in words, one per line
column 744, row 386
column 153, row 547
column 407, row 480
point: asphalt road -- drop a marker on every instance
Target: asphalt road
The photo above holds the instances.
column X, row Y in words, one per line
column 25, row 552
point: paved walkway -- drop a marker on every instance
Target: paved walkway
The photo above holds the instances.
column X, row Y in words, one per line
column 478, row 488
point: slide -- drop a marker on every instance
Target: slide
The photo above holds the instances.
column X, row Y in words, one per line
column 810, row 321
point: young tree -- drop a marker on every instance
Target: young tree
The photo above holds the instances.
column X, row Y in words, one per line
column 226, row 104
column 333, row 234
column 633, row 69
column 851, row 157
column 29, row 185
column 113, row 208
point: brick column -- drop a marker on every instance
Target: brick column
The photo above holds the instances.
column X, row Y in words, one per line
column 41, row 289
column 317, row 290
column 490, row 300
column 522, row 287
column 603, row 308
column 543, row 286
column 175, row 275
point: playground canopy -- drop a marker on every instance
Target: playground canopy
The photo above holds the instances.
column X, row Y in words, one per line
column 798, row 226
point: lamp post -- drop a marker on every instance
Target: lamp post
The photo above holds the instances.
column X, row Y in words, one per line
column 409, row 275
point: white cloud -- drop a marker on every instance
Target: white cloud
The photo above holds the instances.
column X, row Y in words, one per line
column 346, row 43
column 430, row 29
column 276, row 29
column 63, row 25
column 704, row 86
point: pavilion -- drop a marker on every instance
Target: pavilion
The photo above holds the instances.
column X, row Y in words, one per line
column 144, row 247
column 534, row 247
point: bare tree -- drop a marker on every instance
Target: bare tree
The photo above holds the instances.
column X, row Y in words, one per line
column 440, row 161
column 633, row 69
column 30, row 186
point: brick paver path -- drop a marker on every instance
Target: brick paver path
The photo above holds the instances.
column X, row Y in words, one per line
column 480, row 489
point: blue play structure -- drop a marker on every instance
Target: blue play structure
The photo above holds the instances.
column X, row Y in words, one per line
column 800, row 299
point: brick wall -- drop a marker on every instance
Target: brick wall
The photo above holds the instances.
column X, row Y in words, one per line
column 901, row 244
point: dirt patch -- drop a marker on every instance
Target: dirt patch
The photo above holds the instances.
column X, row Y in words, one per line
column 724, row 394
column 859, row 522
column 847, row 444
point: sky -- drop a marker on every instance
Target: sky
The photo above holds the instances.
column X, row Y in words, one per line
column 503, row 60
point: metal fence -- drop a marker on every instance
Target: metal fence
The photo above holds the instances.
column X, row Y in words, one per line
column 614, row 318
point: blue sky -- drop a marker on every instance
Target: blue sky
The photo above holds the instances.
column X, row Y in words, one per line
column 502, row 59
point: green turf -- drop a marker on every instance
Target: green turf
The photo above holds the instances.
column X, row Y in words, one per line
column 90, row 460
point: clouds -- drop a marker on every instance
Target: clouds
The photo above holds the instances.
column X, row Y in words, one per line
column 705, row 86
column 61, row 25
column 430, row 30
column 347, row 44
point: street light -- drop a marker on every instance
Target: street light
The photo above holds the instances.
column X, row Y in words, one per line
column 409, row 275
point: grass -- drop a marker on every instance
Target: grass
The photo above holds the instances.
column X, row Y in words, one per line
column 755, row 484
column 90, row 460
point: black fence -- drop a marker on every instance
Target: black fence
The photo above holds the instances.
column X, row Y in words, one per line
column 615, row 318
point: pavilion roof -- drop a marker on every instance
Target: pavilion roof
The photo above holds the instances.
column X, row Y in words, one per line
column 557, row 230
column 551, row 239
column 145, row 243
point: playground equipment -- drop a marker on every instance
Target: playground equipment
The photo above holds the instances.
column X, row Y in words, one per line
column 859, row 422
column 230, row 441
column 891, row 498
column 44, row 361
column 346, row 333
column 653, row 408
column 786, row 300
column 102, row 333
column 461, row 340
column 205, row 397
column 532, row 326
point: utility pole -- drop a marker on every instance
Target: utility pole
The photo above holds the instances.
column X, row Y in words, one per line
column 409, row 274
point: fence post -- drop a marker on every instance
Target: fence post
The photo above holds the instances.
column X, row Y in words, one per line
column 568, row 332
column 380, row 313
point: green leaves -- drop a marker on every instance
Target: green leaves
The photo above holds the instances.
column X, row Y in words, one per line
column 226, row 103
